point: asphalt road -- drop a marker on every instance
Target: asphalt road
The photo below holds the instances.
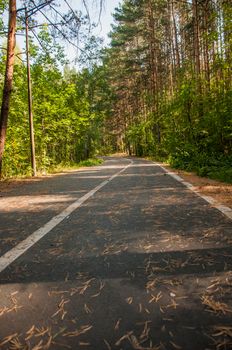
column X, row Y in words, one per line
column 142, row 263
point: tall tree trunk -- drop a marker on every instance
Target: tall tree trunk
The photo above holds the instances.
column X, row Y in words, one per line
column 153, row 47
column 175, row 36
column 206, row 28
column 8, row 82
column 196, row 38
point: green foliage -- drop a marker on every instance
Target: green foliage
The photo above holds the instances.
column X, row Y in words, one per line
column 165, row 105
column 140, row 98
column 214, row 166
column 3, row 5
column 62, row 167
column 65, row 123
column 90, row 162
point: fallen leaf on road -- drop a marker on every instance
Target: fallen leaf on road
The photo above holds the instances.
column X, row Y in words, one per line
column 155, row 298
column 61, row 309
column 8, row 339
column 117, row 324
column 125, row 336
column 77, row 332
column 107, row 344
column 129, row 300
column 175, row 345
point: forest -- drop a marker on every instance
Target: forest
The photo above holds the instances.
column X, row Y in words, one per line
column 162, row 89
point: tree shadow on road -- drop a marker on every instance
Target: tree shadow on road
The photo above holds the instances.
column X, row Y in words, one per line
column 174, row 300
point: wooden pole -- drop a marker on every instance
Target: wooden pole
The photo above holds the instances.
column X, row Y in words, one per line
column 32, row 139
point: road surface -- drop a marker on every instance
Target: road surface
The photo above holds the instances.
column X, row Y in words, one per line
column 120, row 256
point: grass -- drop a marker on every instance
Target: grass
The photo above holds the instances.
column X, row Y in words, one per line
column 72, row 166
column 90, row 162
column 54, row 169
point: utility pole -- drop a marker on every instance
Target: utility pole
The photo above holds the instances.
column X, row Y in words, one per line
column 32, row 139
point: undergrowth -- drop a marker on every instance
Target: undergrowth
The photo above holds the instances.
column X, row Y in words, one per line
column 215, row 167
column 62, row 167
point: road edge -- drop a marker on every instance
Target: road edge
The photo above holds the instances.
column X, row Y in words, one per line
column 222, row 208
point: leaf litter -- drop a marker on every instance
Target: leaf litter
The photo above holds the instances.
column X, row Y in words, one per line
column 61, row 308
column 136, row 343
column 14, row 305
column 152, row 269
column 215, row 306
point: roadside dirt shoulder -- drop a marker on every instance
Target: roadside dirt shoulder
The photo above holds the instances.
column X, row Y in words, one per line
column 9, row 185
column 220, row 191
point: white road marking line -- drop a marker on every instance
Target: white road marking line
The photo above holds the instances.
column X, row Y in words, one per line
column 142, row 165
column 222, row 208
column 22, row 247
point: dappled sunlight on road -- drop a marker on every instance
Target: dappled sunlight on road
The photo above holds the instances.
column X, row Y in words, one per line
column 143, row 264
column 33, row 203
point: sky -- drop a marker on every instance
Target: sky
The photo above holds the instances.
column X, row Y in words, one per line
column 106, row 18
column 103, row 29
column 105, row 23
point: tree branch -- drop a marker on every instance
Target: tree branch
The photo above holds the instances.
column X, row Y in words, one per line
column 39, row 41
column 61, row 33
column 38, row 7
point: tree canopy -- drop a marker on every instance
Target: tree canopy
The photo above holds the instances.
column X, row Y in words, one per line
column 169, row 72
column 162, row 88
